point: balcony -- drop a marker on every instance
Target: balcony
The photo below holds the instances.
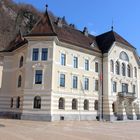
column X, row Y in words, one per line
column 128, row 95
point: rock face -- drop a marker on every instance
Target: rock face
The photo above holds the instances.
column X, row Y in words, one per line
column 15, row 17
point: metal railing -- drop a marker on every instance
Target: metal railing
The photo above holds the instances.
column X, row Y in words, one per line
column 127, row 94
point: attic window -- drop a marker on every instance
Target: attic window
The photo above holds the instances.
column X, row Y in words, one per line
column 92, row 45
column 124, row 56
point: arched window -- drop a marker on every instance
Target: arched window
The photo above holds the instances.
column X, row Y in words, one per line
column 74, row 104
column 61, row 103
column 135, row 71
column 124, row 56
column 37, row 102
column 128, row 71
column 21, row 61
column 86, row 105
column 96, row 105
column 117, row 68
column 112, row 66
column 12, row 101
column 18, row 102
column 123, row 69
column 19, row 81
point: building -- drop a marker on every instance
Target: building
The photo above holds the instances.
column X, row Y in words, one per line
column 57, row 72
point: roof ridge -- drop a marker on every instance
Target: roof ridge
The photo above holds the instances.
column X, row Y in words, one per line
column 47, row 14
column 122, row 38
column 78, row 30
column 35, row 25
column 103, row 33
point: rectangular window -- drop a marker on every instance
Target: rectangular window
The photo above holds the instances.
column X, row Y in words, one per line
column 62, row 80
column 86, row 84
column 96, row 85
column 38, row 77
column 75, row 62
column 114, row 86
column 44, row 54
column 124, row 87
column 75, row 82
column 35, row 54
column 134, row 89
column 96, row 67
column 86, row 64
column 63, row 59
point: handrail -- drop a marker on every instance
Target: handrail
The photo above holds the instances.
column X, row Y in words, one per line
column 127, row 94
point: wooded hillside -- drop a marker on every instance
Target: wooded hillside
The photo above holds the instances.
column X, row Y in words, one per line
column 15, row 17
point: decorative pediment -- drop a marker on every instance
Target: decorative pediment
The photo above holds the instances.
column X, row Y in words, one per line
column 115, row 79
column 38, row 65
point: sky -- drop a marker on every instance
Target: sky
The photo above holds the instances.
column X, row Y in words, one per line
column 98, row 15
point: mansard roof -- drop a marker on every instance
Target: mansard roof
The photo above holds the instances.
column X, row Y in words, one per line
column 47, row 26
column 106, row 40
column 66, row 33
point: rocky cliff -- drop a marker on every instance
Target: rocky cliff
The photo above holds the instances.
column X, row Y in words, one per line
column 15, row 17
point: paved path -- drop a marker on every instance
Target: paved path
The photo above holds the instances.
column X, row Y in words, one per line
column 70, row 130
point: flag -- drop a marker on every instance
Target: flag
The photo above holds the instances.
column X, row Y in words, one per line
column 101, row 77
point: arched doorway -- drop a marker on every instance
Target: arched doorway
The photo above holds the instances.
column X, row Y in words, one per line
column 114, row 108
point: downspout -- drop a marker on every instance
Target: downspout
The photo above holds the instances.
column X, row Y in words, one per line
column 102, row 88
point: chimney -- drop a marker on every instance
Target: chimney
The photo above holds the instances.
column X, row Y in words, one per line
column 59, row 22
column 72, row 26
column 85, row 31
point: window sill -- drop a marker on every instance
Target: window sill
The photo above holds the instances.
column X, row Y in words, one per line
column 62, row 87
column 37, row 109
column 38, row 84
column 96, row 90
column 61, row 109
column 63, row 65
column 74, row 89
column 87, row 90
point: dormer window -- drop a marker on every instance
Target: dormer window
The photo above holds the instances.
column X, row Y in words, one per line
column 92, row 45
